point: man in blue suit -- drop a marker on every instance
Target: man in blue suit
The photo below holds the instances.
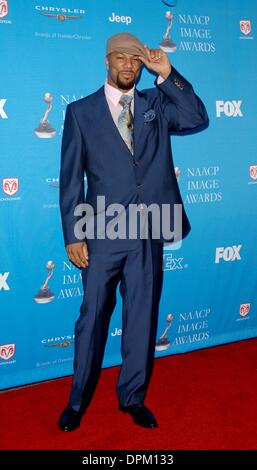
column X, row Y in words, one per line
column 120, row 137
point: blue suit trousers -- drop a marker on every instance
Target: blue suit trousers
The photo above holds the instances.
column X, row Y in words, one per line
column 139, row 273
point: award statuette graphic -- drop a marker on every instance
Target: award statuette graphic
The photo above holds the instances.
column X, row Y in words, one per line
column 164, row 342
column 44, row 130
column 166, row 44
column 44, row 295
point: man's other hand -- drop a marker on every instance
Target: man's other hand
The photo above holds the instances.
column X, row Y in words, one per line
column 78, row 254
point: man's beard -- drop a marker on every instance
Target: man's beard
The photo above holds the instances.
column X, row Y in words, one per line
column 125, row 85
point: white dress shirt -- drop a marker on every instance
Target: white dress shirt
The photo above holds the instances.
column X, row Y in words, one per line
column 113, row 97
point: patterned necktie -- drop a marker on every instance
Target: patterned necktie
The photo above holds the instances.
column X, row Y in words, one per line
column 125, row 121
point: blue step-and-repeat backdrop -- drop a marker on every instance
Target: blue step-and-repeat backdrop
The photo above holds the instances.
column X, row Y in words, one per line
column 52, row 53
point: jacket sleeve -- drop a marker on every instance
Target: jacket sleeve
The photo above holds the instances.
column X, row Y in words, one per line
column 181, row 107
column 71, row 177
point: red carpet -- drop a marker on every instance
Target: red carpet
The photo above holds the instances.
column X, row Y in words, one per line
column 205, row 399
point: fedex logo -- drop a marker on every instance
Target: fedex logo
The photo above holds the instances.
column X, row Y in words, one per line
column 230, row 253
column 229, row 108
column 172, row 264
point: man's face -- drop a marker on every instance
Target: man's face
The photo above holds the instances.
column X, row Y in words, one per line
column 123, row 69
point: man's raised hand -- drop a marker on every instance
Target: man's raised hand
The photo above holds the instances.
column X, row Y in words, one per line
column 157, row 61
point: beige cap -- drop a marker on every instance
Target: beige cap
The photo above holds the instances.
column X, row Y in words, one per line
column 125, row 42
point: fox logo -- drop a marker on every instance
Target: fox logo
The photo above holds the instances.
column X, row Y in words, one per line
column 230, row 253
column 229, row 108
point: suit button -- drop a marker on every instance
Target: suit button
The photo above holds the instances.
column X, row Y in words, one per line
column 139, row 185
column 135, row 163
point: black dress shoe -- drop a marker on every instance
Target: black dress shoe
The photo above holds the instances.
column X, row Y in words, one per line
column 141, row 415
column 69, row 419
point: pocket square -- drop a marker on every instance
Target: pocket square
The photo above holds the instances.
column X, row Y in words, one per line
column 149, row 115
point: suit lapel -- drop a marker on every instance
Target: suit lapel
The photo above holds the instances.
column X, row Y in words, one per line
column 140, row 106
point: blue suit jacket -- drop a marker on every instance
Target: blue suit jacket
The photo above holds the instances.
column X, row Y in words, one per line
column 92, row 144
